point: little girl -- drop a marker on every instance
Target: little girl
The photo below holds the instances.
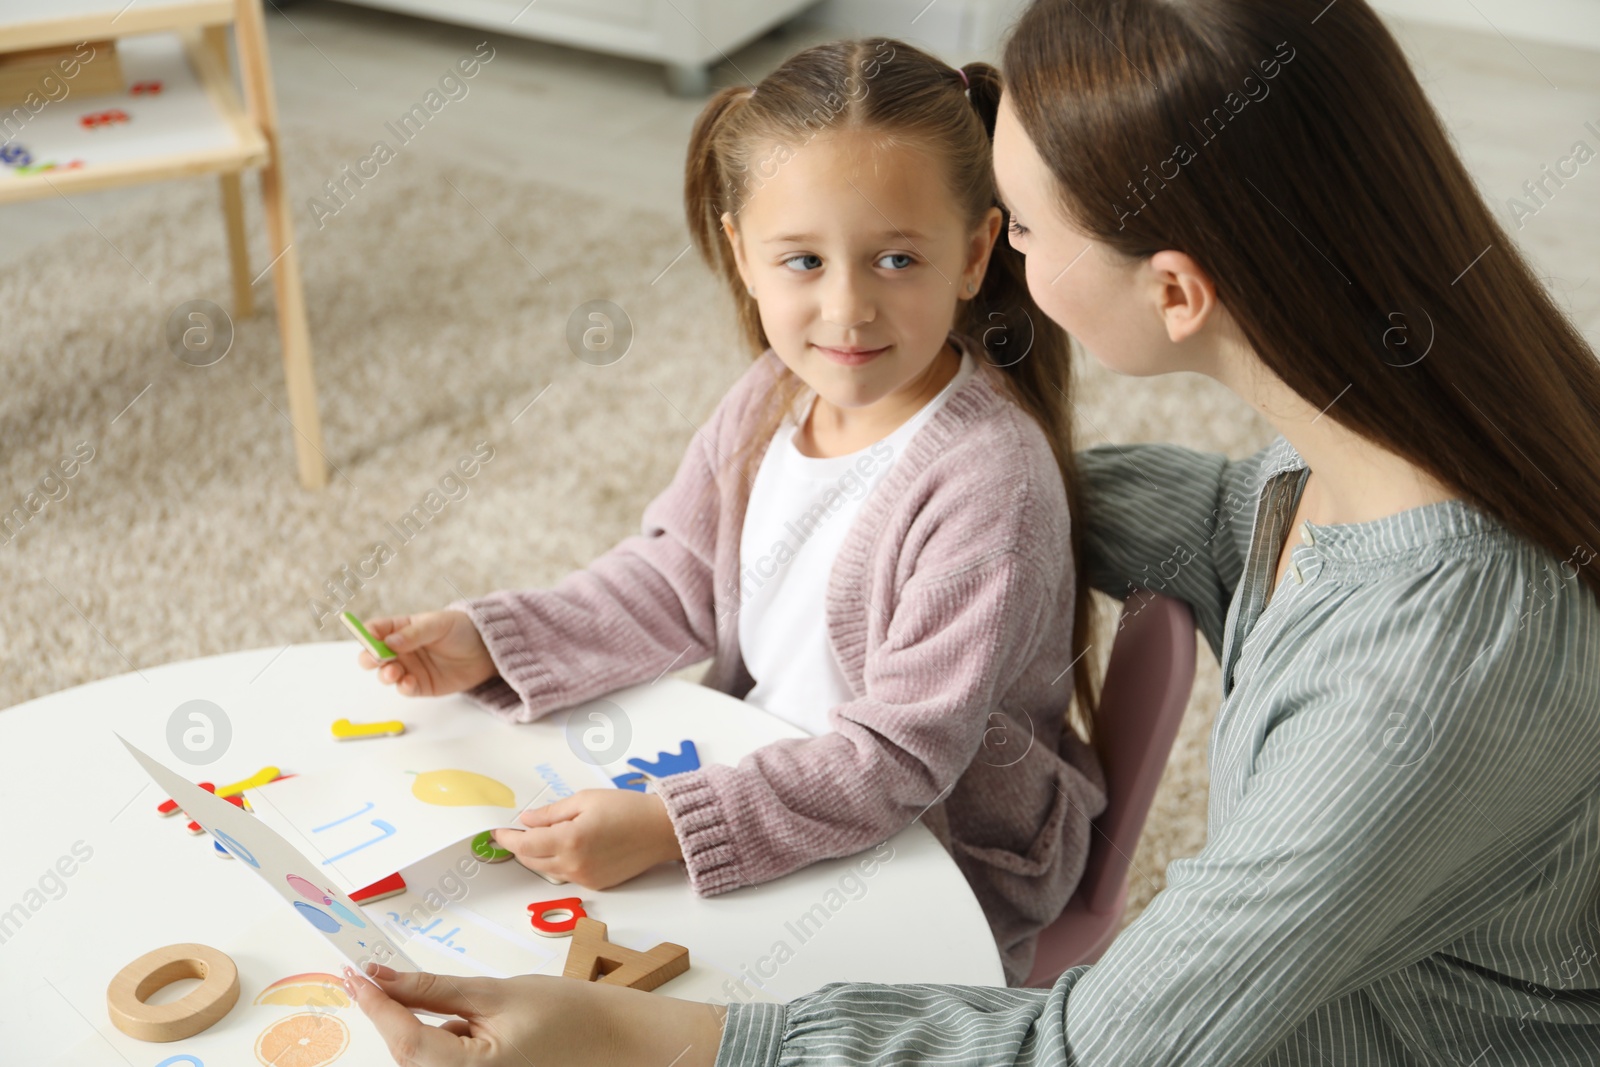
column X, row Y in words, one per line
column 869, row 537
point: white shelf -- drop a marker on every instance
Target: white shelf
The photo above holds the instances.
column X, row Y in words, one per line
column 687, row 36
column 38, row 23
column 194, row 125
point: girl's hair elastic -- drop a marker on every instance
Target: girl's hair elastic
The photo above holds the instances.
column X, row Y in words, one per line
column 962, row 71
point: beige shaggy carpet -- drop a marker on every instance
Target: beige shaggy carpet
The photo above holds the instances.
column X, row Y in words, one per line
column 438, row 302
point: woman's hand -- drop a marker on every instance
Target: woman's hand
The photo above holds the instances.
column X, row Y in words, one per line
column 436, row 653
column 596, row 837
column 512, row 1022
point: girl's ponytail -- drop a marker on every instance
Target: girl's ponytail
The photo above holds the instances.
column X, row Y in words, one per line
column 1035, row 356
column 983, row 89
column 707, row 182
column 1016, row 336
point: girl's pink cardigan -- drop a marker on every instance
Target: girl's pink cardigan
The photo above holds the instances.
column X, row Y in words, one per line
column 950, row 610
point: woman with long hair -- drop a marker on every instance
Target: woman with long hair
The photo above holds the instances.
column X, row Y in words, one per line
column 1403, row 856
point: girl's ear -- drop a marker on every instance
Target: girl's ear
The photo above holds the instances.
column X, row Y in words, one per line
column 732, row 234
column 978, row 251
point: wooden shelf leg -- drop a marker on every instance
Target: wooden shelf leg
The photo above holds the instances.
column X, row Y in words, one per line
column 250, row 37
column 293, row 332
column 216, row 38
column 238, row 247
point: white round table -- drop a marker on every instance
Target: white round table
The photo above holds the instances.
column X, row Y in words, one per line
column 93, row 877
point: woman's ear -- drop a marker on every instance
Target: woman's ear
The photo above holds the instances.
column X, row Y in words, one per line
column 732, row 234
column 979, row 248
column 1185, row 296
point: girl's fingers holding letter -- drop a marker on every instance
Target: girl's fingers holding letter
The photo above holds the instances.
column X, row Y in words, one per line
column 382, row 628
column 417, row 631
column 550, row 814
column 533, row 853
column 527, row 845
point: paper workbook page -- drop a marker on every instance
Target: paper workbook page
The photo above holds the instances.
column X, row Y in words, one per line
column 397, row 801
column 301, row 883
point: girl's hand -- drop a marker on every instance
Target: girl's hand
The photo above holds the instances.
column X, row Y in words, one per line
column 596, row 837
column 512, row 1022
column 436, row 653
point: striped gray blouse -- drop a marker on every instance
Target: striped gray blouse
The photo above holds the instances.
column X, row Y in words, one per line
column 1402, row 862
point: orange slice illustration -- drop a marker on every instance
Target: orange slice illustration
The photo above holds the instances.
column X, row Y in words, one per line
column 313, row 990
column 305, row 1039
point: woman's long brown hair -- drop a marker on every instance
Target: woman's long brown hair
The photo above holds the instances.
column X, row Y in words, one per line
column 883, row 85
column 1287, row 147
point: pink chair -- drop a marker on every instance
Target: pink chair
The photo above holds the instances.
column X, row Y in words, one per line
column 1147, row 685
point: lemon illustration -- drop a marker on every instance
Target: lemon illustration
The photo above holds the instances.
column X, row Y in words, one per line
column 460, row 789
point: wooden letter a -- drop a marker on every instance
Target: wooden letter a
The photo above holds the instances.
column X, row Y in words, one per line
column 591, row 958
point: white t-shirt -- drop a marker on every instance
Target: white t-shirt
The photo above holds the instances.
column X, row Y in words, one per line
column 800, row 509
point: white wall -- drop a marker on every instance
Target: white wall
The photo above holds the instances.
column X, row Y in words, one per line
column 960, row 30
column 1568, row 22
